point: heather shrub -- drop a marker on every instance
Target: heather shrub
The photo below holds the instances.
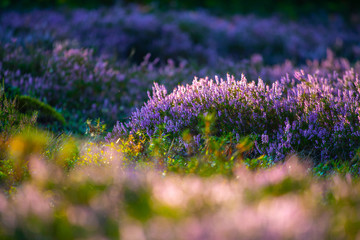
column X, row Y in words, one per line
column 27, row 58
column 82, row 81
column 72, row 80
column 305, row 114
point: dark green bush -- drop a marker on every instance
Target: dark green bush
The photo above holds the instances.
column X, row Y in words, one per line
column 46, row 113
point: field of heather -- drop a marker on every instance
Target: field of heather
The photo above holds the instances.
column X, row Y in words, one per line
column 176, row 120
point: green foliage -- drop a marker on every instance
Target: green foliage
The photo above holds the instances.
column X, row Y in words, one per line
column 64, row 150
column 138, row 202
column 95, row 130
column 11, row 92
column 341, row 167
column 23, row 148
column 46, row 113
column 19, row 142
column 216, row 155
column 262, row 162
column 11, row 121
column 288, row 185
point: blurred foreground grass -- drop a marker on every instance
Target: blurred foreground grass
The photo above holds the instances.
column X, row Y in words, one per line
column 61, row 188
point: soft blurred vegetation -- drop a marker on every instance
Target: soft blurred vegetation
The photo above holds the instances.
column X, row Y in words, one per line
column 57, row 187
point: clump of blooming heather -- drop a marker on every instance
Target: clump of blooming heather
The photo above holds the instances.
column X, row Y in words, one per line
column 305, row 114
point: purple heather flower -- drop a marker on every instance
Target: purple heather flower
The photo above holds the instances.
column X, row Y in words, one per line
column 264, row 138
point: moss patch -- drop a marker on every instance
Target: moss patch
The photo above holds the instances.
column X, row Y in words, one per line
column 46, row 113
